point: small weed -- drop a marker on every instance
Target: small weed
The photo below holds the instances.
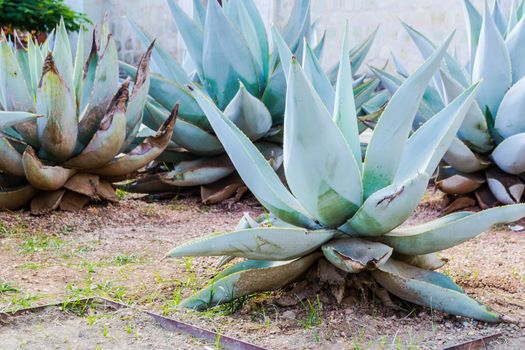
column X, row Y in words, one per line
column 40, row 243
column 149, row 210
column 19, row 230
column 31, row 265
column 121, row 194
column 314, row 315
column 121, row 260
column 105, row 331
column 7, row 288
column 24, row 302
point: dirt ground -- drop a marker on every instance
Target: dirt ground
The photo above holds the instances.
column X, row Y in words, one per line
column 115, row 251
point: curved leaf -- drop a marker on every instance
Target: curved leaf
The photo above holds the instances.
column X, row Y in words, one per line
column 388, row 208
column 391, row 133
column 344, row 115
column 510, row 119
column 226, row 58
column 510, row 154
column 263, row 243
column 354, row 255
column 460, row 157
column 323, row 176
column 15, row 198
column 514, row 43
column 450, row 230
column 474, row 21
column 9, row 119
column 142, row 154
column 317, row 77
column 432, row 289
column 249, row 114
column 255, row 171
column 192, row 36
column 474, row 129
column 250, row 279
column 58, row 130
column 43, row 177
column 428, row 144
column 10, row 158
column 492, row 64
column 185, row 134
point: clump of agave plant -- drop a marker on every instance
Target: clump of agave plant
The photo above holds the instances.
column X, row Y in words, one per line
column 341, row 208
column 64, row 123
column 229, row 57
column 487, row 159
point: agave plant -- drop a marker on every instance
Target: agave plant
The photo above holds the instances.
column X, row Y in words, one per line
column 487, row 159
column 229, row 57
column 338, row 207
column 63, row 124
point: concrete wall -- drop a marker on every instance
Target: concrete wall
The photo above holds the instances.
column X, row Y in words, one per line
column 436, row 18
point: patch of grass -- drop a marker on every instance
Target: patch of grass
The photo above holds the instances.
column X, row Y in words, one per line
column 121, row 194
column 121, row 260
column 31, row 265
column 314, row 315
column 40, row 243
column 7, row 288
column 18, row 301
column 13, row 231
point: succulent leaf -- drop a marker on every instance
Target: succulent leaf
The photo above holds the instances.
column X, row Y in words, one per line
column 449, row 231
column 250, row 279
column 323, row 176
column 263, row 243
column 354, row 255
column 509, row 155
column 492, row 64
column 258, row 175
column 391, row 133
column 432, row 289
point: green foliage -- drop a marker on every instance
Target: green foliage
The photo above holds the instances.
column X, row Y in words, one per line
column 41, row 16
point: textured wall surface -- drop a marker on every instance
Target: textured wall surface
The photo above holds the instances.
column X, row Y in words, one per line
column 435, row 18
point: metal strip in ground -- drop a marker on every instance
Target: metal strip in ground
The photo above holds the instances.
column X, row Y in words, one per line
column 475, row 344
column 169, row 324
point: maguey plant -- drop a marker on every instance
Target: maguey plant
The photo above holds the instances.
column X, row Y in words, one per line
column 65, row 123
column 340, row 208
column 486, row 163
column 229, row 57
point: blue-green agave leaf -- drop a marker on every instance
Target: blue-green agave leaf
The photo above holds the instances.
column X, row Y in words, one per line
column 199, row 13
column 510, row 154
column 450, row 230
column 226, row 58
column 192, row 35
column 9, row 119
column 15, row 95
column 492, row 64
column 499, row 18
column 431, row 289
column 474, row 21
column 428, row 144
column 250, row 279
column 388, row 208
column 249, row 114
column 263, row 243
column 10, row 159
column 510, row 119
column 516, row 49
column 344, row 115
column 254, row 169
column 185, row 134
column 391, row 133
column 167, row 93
column 324, row 175
column 474, row 129
column 461, row 157
column 317, row 77
column 63, row 55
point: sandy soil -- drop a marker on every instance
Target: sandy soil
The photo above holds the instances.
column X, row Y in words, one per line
column 116, row 251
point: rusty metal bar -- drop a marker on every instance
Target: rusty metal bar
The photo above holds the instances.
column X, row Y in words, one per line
column 169, row 324
column 475, row 344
